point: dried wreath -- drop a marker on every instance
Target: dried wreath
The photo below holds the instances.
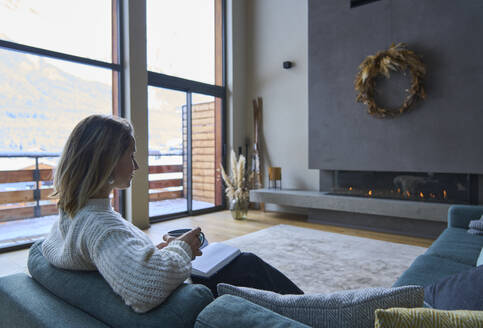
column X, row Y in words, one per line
column 396, row 58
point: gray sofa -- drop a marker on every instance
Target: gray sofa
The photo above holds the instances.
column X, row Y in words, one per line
column 60, row 298
column 453, row 252
column 64, row 298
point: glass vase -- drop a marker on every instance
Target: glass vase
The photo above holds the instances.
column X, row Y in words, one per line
column 239, row 208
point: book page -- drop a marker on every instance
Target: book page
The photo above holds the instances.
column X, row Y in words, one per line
column 215, row 256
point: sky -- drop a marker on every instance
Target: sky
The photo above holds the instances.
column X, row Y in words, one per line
column 180, row 33
column 180, row 37
column 61, row 26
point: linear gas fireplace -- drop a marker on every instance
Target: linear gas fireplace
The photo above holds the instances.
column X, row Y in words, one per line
column 427, row 187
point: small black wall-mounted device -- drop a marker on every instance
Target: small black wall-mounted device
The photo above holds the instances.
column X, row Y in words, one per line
column 357, row 3
column 287, row 64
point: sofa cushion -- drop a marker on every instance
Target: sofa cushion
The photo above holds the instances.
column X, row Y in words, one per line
column 350, row 308
column 235, row 312
column 91, row 293
column 462, row 291
column 427, row 318
column 457, row 245
column 26, row 304
column 427, row 269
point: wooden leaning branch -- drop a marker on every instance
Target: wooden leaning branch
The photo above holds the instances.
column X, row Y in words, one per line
column 257, row 163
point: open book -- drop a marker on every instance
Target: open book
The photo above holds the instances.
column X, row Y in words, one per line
column 215, row 256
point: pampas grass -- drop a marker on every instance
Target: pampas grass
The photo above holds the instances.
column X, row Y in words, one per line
column 239, row 181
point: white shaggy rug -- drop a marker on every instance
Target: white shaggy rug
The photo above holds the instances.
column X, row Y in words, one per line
column 324, row 262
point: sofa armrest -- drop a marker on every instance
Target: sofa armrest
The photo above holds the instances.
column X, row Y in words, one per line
column 459, row 216
column 26, row 304
column 89, row 292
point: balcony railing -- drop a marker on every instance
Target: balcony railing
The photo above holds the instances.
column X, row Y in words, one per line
column 167, row 183
column 26, row 202
column 33, row 200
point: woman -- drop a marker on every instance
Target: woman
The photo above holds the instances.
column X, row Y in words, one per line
column 89, row 235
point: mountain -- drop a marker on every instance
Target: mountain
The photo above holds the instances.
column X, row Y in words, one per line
column 40, row 104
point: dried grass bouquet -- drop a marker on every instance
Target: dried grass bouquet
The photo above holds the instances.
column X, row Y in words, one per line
column 239, row 182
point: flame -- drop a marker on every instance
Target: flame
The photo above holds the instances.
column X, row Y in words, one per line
column 399, row 190
column 445, row 194
column 350, row 188
column 370, row 193
column 421, row 195
column 407, row 194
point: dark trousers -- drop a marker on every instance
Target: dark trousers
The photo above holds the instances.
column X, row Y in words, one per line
column 248, row 270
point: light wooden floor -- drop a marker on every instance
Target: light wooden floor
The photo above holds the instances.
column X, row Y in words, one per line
column 220, row 226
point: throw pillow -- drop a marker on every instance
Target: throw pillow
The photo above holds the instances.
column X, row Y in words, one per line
column 427, row 318
column 351, row 308
column 476, row 227
column 461, row 291
column 480, row 259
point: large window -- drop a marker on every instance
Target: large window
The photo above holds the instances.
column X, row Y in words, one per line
column 181, row 39
column 186, row 96
column 56, row 67
column 60, row 60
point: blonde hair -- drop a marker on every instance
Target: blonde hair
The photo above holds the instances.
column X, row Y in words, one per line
column 88, row 160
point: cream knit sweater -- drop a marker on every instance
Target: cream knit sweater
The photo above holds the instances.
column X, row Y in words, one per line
column 98, row 238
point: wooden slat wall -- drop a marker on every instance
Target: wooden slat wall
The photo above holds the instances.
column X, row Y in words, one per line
column 165, row 195
column 23, row 196
column 20, row 197
column 159, row 184
column 165, row 168
column 16, row 213
column 24, row 175
column 203, row 152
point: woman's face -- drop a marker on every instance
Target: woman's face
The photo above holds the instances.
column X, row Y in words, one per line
column 124, row 170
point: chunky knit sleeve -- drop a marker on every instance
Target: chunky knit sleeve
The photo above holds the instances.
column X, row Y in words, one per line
column 141, row 274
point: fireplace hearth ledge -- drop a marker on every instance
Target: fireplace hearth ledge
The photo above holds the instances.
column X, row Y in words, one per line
column 322, row 200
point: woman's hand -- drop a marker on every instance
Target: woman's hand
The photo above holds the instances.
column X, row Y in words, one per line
column 192, row 238
column 167, row 239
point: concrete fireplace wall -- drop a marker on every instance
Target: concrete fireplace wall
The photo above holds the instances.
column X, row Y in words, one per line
column 443, row 133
